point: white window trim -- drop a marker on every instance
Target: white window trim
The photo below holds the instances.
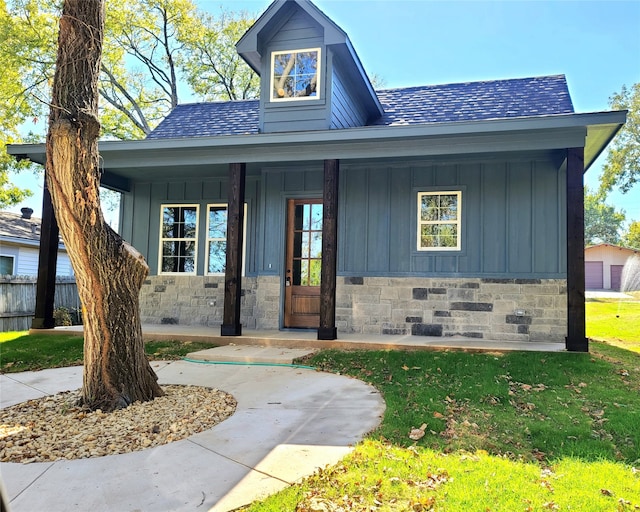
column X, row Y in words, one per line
column 13, row 263
column 208, row 240
column 161, row 240
column 295, row 98
column 457, row 222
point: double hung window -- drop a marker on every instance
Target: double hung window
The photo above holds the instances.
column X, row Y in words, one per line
column 216, row 239
column 439, row 216
column 179, row 238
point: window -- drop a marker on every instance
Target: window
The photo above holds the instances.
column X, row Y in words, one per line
column 295, row 74
column 217, row 238
column 178, row 238
column 439, row 221
column 307, row 244
column 6, row 265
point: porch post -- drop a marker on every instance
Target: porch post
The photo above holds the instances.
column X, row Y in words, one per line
column 576, row 333
column 327, row 329
column 233, row 271
column 47, row 260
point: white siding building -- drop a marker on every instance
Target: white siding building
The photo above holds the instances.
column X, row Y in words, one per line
column 19, row 246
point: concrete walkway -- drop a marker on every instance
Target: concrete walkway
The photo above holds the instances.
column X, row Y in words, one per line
column 288, row 422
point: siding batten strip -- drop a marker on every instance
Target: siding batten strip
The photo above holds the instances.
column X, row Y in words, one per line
column 327, row 329
column 233, row 272
column 576, row 332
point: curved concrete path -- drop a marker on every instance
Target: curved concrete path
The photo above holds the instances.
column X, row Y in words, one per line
column 288, row 423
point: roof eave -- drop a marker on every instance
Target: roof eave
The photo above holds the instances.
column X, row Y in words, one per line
column 600, row 135
column 28, row 242
column 236, row 146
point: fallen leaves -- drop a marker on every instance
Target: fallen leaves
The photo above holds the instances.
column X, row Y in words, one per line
column 417, row 433
column 341, row 494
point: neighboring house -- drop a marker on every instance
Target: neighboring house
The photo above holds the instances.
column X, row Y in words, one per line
column 603, row 266
column 437, row 210
column 19, row 246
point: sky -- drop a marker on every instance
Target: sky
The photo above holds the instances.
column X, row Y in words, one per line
column 595, row 44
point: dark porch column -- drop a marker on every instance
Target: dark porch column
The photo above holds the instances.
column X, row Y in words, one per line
column 233, row 272
column 576, row 334
column 47, row 260
column 327, row 329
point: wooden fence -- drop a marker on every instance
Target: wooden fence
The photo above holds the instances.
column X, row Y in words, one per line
column 18, row 300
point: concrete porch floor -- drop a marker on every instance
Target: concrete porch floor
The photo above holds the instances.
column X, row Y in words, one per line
column 308, row 339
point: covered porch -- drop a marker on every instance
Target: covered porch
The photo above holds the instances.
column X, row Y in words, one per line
column 308, row 339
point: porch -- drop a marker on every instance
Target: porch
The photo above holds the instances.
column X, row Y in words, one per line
column 308, row 339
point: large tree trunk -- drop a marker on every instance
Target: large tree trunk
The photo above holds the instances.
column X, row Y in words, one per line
column 109, row 272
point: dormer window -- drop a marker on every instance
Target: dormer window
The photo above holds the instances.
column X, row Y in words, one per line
column 295, row 75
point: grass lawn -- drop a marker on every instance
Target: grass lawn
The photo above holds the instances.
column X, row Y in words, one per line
column 20, row 351
column 615, row 321
column 519, row 431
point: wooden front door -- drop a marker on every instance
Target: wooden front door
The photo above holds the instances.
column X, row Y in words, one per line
column 303, row 263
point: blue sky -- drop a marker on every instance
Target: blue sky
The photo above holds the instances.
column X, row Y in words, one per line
column 596, row 44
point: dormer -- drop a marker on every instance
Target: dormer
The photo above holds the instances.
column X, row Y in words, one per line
column 310, row 76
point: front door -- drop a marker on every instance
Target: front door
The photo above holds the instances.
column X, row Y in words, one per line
column 303, row 263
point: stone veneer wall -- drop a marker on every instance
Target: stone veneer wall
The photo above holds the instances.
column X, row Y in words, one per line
column 477, row 308
column 199, row 300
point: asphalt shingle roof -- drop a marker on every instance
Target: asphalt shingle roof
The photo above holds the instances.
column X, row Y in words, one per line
column 470, row 101
column 13, row 225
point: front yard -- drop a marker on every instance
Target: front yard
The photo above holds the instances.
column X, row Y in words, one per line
column 615, row 321
column 487, row 432
column 482, row 432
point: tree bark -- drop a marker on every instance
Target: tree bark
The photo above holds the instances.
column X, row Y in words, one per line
column 109, row 272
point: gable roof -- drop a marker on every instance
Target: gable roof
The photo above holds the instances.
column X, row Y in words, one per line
column 612, row 246
column 469, row 101
column 15, row 226
column 251, row 46
column 16, row 229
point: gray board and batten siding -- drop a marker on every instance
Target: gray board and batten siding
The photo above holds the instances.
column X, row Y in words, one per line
column 338, row 104
column 300, row 31
column 506, row 205
column 140, row 214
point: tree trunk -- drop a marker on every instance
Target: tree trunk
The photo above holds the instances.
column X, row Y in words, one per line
column 109, row 272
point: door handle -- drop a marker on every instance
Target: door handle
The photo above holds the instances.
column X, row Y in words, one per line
column 287, row 281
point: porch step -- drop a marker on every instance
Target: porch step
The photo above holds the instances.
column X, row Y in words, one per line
column 251, row 354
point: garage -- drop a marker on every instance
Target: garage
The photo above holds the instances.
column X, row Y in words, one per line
column 593, row 275
column 616, row 277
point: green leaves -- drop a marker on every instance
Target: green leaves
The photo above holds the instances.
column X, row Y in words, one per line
column 602, row 223
column 622, row 167
column 212, row 67
column 156, row 54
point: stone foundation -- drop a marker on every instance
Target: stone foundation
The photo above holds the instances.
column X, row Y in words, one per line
column 492, row 309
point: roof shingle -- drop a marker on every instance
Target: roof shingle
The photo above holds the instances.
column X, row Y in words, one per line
column 13, row 225
column 470, row 101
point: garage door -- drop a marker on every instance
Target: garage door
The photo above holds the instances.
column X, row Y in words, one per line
column 593, row 275
column 616, row 277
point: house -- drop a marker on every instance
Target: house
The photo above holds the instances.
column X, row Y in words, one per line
column 438, row 210
column 603, row 265
column 19, row 266
column 19, row 243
